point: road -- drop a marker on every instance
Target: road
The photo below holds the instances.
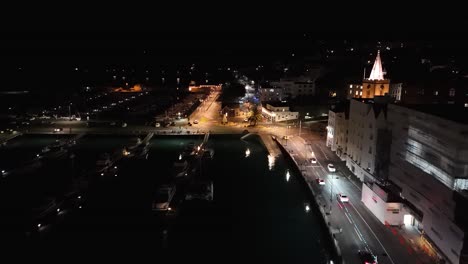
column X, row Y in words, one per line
column 361, row 230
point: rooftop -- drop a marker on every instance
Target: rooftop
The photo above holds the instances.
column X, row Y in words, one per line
column 455, row 113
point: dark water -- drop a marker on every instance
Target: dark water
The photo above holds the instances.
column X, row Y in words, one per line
column 256, row 214
column 24, row 148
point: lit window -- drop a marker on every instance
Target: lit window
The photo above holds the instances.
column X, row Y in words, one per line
column 360, row 93
column 350, row 86
column 436, row 93
column 350, row 91
column 466, row 104
column 356, row 92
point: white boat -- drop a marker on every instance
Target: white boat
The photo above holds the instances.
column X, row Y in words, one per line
column 163, row 198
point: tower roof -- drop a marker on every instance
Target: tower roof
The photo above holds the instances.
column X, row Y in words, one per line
column 377, row 71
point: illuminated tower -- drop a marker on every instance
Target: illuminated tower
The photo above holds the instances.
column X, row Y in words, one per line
column 376, row 84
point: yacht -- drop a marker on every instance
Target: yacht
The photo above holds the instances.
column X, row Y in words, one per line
column 164, row 196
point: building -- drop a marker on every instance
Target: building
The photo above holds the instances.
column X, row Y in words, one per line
column 376, row 84
column 383, row 204
column 278, row 112
column 271, row 94
column 354, row 91
column 294, row 87
column 395, row 91
column 368, row 139
column 337, row 129
column 429, row 165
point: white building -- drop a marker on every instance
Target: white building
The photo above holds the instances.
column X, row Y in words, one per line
column 337, row 129
column 278, row 113
column 395, row 91
column 368, row 146
column 294, row 87
column 380, row 202
column 429, row 163
column 271, row 94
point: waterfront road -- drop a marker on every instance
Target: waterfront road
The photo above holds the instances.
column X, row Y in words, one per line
column 360, row 229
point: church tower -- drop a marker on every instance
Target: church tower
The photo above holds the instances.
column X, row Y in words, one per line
column 376, row 84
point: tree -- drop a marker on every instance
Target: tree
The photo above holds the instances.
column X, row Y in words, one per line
column 254, row 115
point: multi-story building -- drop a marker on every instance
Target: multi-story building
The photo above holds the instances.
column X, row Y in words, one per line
column 395, row 91
column 271, row 94
column 368, row 139
column 429, row 165
column 277, row 112
column 354, row 91
column 337, row 129
column 294, row 87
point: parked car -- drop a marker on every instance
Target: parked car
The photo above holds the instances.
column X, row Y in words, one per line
column 343, row 198
column 331, row 168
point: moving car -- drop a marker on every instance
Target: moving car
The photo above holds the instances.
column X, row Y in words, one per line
column 321, row 181
column 331, row 168
column 343, row 198
column 367, row 257
column 58, row 129
column 313, row 160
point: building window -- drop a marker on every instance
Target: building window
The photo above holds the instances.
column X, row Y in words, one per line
column 381, row 86
column 436, row 92
column 350, row 91
column 368, row 93
column 350, row 86
column 356, row 92
column 452, row 92
column 360, row 93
